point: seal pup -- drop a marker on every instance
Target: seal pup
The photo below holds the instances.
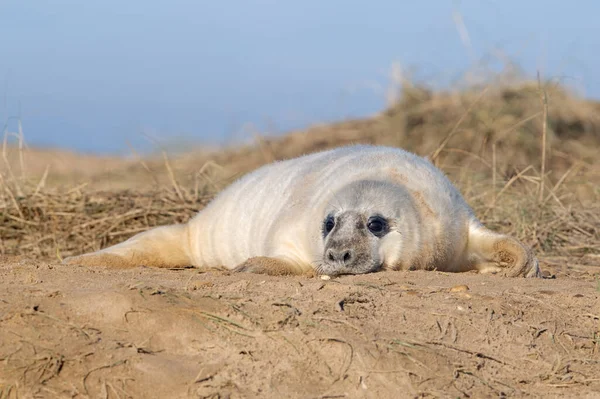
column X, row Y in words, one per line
column 350, row 210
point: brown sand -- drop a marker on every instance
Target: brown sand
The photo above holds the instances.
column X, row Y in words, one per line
column 70, row 332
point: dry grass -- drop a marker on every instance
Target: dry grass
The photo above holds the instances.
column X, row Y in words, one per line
column 524, row 156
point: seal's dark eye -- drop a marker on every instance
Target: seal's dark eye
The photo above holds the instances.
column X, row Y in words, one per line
column 377, row 225
column 328, row 225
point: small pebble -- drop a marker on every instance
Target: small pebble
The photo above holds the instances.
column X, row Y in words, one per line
column 459, row 288
column 325, row 277
column 547, row 274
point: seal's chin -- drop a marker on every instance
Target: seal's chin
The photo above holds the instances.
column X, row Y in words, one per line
column 337, row 270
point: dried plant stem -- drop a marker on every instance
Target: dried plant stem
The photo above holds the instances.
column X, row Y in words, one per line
column 9, row 169
column 446, row 139
column 172, row 177
column 493, row 176
column 21, row 140
column 544, row 101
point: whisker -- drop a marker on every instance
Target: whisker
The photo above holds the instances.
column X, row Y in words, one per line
column 338, row 200
column 337, row 208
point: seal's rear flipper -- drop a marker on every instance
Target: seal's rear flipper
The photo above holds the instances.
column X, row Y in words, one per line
column 165, row 246
column 491, row 252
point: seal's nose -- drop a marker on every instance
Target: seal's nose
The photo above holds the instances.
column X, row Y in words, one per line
column 344, row 256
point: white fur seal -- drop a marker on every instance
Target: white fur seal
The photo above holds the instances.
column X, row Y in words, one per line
column 350, row 210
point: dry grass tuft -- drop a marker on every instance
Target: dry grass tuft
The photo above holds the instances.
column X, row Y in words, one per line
column 524, row 156
column 55, row 225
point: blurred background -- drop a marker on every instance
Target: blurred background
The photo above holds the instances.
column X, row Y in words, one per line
column 107, row 76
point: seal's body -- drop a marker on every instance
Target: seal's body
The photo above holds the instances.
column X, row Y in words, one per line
column 350, row 210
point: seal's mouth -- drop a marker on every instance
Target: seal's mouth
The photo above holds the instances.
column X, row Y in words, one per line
column 340, row 270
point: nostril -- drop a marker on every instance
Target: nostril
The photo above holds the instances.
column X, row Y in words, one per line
column 347, row 256
column 330, row 256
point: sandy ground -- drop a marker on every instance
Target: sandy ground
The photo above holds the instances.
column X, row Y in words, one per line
column 75, row 332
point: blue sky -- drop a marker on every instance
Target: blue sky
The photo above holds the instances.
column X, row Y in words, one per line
column 93, row 75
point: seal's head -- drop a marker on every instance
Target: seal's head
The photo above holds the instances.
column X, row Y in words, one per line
column 364, row 226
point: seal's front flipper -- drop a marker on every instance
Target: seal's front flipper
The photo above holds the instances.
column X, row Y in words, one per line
column 165, row 246
column 270, row 266
column 491, row 252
